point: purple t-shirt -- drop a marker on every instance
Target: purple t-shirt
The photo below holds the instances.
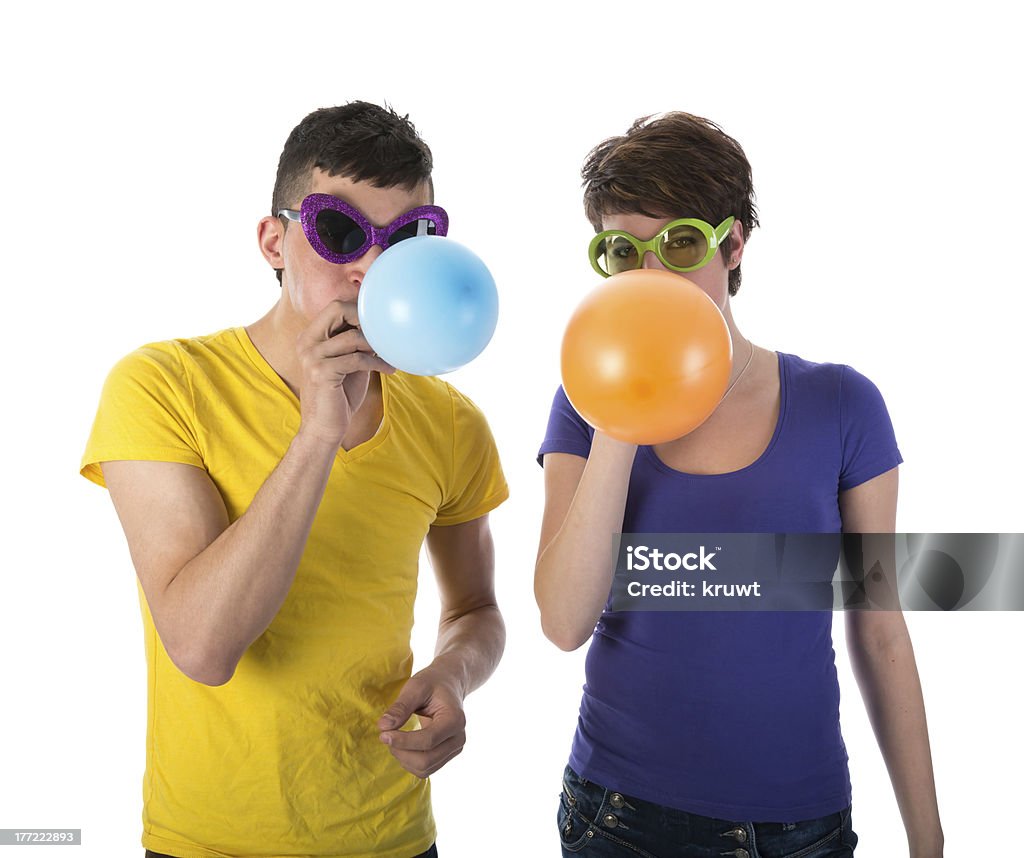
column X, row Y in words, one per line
column 732, row 714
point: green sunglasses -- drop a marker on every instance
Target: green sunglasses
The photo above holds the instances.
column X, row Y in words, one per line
column 683, row 245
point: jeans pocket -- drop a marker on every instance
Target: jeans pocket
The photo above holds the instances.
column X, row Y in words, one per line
column 573, row 830
column 812, row 838
column 603, row 822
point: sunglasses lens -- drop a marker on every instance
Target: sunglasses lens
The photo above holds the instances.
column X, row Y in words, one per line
column 615, row 254
column 684, row 246
column 422, row 226
column 339, row 233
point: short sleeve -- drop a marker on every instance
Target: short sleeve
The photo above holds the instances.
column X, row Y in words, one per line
column 145, row 412
column 477, row 484
column 867, row 436
column 567, row 431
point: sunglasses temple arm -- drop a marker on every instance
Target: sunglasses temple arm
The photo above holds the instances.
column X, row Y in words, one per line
column 723, row 229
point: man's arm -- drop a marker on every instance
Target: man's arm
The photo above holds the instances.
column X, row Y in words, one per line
column 213, row 588
column 882, row 658
column 470, row 641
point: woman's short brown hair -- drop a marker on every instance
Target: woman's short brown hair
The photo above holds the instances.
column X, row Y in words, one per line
column 672, row 165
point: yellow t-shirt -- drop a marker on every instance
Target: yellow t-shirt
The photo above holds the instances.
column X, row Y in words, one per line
column 285, row 759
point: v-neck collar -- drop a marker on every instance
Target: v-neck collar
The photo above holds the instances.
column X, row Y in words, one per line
column 267, row 370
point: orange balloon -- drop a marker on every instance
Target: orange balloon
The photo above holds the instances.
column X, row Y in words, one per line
column 646, row 357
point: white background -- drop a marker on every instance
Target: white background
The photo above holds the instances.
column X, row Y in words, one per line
column 139, row 152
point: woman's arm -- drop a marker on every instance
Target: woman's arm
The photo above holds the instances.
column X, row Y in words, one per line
column 883, row 662
column 584, row 503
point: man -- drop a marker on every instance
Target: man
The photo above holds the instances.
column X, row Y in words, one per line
column 275, row 484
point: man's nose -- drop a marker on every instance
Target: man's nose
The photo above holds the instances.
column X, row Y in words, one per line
column 358, row 268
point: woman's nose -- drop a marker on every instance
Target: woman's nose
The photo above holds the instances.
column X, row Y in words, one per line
column 651, row 260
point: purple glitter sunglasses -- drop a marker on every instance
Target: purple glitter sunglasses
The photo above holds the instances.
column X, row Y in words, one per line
column 341, row 233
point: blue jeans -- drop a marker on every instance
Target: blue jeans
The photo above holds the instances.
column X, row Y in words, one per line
column 594, row 821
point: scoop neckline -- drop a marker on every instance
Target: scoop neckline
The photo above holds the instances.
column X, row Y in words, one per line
column 652, row 456
column 360, row 450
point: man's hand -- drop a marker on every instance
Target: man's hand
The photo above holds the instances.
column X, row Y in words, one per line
column 434, row 699
column 470, row 639
column 336, row 362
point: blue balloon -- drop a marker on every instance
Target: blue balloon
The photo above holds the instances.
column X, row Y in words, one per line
column 428, row 305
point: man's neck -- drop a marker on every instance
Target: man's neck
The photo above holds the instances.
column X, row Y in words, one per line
column 274, row 337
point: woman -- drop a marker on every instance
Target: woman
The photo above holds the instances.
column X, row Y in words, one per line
column 717, row 733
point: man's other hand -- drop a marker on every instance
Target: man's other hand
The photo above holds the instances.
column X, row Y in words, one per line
column 430, row 696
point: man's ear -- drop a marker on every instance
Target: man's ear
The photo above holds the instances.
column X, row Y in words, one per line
column 270, row 235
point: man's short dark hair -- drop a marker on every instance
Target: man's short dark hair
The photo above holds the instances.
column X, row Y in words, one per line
column 675, row 165
column 361, row 141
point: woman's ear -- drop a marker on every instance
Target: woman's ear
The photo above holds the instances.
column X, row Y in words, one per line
column 736, row 251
